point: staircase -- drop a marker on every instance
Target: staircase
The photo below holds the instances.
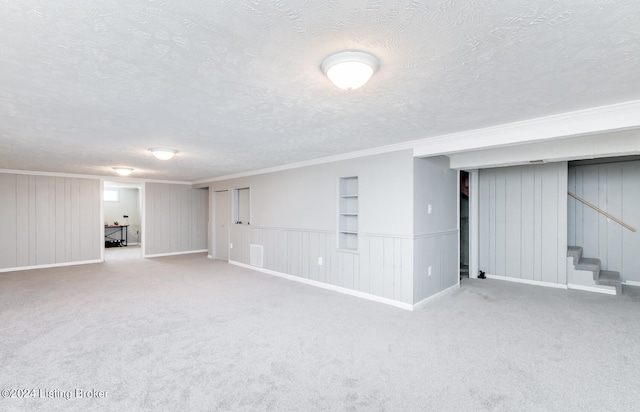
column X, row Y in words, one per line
column 585, row 273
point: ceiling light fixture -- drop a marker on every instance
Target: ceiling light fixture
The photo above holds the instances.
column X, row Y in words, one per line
column 123, row 171
column 350, row 70
column 163, row 153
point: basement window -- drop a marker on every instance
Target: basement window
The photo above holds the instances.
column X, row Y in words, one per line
column 111, row 195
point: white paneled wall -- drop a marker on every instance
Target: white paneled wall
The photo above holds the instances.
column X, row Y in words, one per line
column 615, row 188
column 176, row 218
column 435, row 227
column 439, row 252
column 48, row 220
column 523, row 222
column 383, row 266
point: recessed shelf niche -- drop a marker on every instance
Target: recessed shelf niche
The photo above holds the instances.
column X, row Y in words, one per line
column 348, row 213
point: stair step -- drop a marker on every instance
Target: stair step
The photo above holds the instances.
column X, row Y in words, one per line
column 588, row 264
column 610, row 278
column 574, row 251
column 601, row 277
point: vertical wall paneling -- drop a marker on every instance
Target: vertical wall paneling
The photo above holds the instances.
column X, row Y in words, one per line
column 176, row 218
column 513, row 224
column 383, row 269
column 526, row 215
column 376, row 245
column 9, row 212
column 388, row 267
column 407, row 274
column 47, row 222
column 397, row 269
column 537, row 225
column 295, row 217
column 614, row 231
column 51, row 243
column 602, row 219
column 615, row 188
column 436, row 234
column 61, row 227
column 483, row 221
column 523, row 225
column 365, row 264
column 630, row 267
column 22, row 227
column 33, row 224
column 549, row 226
column 500, row 225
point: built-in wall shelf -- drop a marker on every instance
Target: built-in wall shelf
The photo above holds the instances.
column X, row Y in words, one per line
column 348, row 213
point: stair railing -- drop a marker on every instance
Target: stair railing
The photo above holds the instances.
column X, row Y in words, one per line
column 597, row 209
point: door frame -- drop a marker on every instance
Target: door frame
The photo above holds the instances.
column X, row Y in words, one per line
column 140, row 185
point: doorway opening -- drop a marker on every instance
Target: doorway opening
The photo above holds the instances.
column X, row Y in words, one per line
column 464, row 224
column 122, row 217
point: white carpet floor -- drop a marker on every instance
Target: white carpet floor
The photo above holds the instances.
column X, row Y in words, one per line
column 186, row 333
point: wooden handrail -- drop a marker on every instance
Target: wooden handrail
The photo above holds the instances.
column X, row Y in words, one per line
column 597, row 209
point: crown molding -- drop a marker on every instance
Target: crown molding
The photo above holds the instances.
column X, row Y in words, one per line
column 97, row 177
column 615, row 117
column 312, row 162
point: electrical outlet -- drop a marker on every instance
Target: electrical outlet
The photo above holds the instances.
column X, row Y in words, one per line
column 429, row 209
column 230, row 245
column 320, row 261
column 429, row 271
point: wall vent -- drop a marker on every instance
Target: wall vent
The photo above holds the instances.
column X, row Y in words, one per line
column 256, row 255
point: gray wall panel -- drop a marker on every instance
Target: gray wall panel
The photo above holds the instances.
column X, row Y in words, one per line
column 41, row 213
column 523, row 226
column 33, row 226
column 383, row 269
column 9, row 212
column 615, row 188
column 484, row 194
column 397, row 270
column 407, row 273
column 527, row 222
column 440, row 252
column 500, row 223
column 23, row 234
column 376, row 262
column 75, row 221
column 513, row 224
column 299, row 208
column 306, row 198
column 436, row 234
column 176, row 218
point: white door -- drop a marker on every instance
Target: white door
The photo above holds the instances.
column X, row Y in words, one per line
column 222, row 225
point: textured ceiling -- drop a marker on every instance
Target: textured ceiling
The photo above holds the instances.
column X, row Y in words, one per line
column 236, row 85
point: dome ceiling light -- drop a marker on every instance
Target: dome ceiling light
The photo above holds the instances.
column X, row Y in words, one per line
column 123, row 171
column 163, row 153
column 350, row 70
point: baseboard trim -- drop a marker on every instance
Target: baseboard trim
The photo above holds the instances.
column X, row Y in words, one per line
column 424, row 301
column 528, row 282
column 631, row 283
column 327, row 286
column 591, row 289
column 52, row 265
column 188, row 252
